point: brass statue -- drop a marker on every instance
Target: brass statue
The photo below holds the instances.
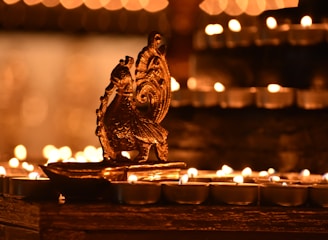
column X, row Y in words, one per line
column 131, row 120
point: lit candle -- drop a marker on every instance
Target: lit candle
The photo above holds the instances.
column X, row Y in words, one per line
column 184, row 192
column 274, row 96
column 234, row 193
column 135, row 192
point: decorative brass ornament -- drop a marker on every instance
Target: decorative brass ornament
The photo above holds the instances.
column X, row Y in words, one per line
column 131, row 120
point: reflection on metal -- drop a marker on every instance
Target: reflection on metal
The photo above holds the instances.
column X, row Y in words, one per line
column 131, row 120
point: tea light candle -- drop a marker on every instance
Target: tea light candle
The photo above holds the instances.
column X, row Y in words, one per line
column 184, row 192
column 135, row 192
column 274, row 96
column 31, row 187
column 312, row 99
column 283, row 194
column 234, row 193
column 240, row 97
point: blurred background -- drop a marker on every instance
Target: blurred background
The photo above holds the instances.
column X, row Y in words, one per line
column 56, row 57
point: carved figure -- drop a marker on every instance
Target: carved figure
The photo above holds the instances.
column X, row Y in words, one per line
column 122, row 125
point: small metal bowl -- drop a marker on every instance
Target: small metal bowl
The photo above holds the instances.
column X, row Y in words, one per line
column 289, row 195
column 318, row 195
column 234, row 194
column 187, row 193
column 138, row 193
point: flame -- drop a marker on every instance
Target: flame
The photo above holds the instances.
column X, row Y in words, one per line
column 234, row 25
column 20, row 152
column 132, row 178
column 2, row 171
column 175, row 86
column 273, row 88
column 305, row 173
column 271, row 171
column 274, row 178
column 219, row 87
column 34, row 175
column 126, row 154
column 213, row 29
column 13, row 163
column 284, row 184
column 192, row 83
column 325, row 177
column 271, row 23
column 192, row 172
column 183, row 179
column 238, row 179
column 306, row 21
column 220, row 173
column 263, row 174
column 226, row 169
column 28, row 167
column 246, row 172
column 65, row 153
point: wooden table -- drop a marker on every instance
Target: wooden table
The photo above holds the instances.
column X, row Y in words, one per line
column 23, row 220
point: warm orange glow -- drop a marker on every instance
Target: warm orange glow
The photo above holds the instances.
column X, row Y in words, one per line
column 134, row 5
column 70, row 4
column 233, row 9
column 192, row 83
column 274, row 178
column 192, row 172
column 305, row 173
column 3, row 171
column 47, row 150
column 234, row 25
column 20, row 152
column 32, row 2
column 93, row 4
column 11, row 1
column 238, row 179
column 273, row 88
column 50, row 3
column 271, row 171
column 91, row 154
column 132, row 178
column 219, row 87
column 34, row 175
column 227, row 169
column 126, row 154
column 13, row 163
column 246, row 172
column 65, row 152
column 255, row 7
column 28, row 167
column 183, row 179
column 271, row 22
column 263, row 174
column 212, row 29
column 156, row 5
column 112, row 4
column 306, row 21
column 175, row 86
column 213, row 7
column 220, row 173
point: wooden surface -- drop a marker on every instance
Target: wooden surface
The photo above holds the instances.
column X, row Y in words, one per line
column 84, row 221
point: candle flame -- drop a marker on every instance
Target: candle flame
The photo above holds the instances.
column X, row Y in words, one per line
column 273, row 88
column 325, row 177
column 274, row 178
column 220, row 173
column 305, row 173
column 2, row 171
column 192, row 172
column 20, row 152
column 271, row 171
column 13, row 163
column 126, row 154
column 183, row 179
column 34, row 175
column 263, row 174
column 132, row 178
column 246, row 172
column 175, row 86
column 284, row 184
column 226, row 169
column 238, row 179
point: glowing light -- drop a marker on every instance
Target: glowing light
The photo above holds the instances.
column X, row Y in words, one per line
column 234, row 25
column 271, row 22
column 227, row 169
column 263, row 174
column 93, row 4
column 305, row 173
column 192, row 83
column 183, row 179
column 33, row 175
column 70, row 4
column 91, row 154
column 13, row 162
column 284, row 184
column 238, row 179
column 246, row 172
column 324, row 177
column 273, row 88
column 112, row 4
column 212, row 7
column 20, row 152
column 271, row 171
column 11, row 1
column 28, row 167
column 212, row 29
column 255, row 7
column 47, row 150
column 50, row 3
column 306, row 21
column 134, row 5
column 175, row 86
column 126, row 154
column 192, row 172
column 2, row 171
column 220, row 173
column 53, row 155
column 32, row 2
column 274, row 178
column 132, row 178
column 156, row 5
column 65, row 152
column 219, row 87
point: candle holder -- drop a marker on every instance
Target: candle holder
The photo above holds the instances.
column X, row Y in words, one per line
column 186, row 193
column 240, row 97
column 312, row 99
column 234, row 193
column 26, row 188
column 274, row 99
column 287, row 195
column 137, row 193
column 318, row 195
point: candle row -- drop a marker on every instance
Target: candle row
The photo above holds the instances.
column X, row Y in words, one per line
column 195, row 191
column 271, row 97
